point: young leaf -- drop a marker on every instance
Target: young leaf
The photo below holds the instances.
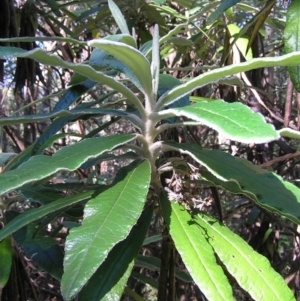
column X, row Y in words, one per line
column 131, row 57
column 155, row 63
column 292, row 39
column 211, row 76
column 109, row 280
column 67, row 158
column 232, row 120
column 266, row 189
column 106, row 222
column 252, row 271
column 118, row 16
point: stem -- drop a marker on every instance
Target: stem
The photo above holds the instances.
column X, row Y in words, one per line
column 164, row 267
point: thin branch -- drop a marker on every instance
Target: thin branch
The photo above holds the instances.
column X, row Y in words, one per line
column 279, row 159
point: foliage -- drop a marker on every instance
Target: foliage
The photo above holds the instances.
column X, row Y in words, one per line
column 107, row 223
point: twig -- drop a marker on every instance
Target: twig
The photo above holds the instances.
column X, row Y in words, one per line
column 279, row 159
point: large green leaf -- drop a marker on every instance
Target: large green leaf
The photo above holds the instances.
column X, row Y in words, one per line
column 67, row 158
column 109, row 280
column 252, row 271
column 266, row 189
column 5, row 262
column 232, row 120
column 53, row 60
column 211, row 76
column 131, row 57
column 108, row 219
column 292, row 39
column 196, row 252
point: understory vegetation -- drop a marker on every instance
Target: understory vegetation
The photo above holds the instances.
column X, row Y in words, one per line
column 149, row 150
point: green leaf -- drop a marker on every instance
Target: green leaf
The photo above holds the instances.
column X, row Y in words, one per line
column 76, row 113
column 54, row 7
column 34, row 214
column 108, row 219
column 252, row 271
column 212, row 76
column 53, row 60
column 118, row 16
column 196, row 252
column 42, row 249
column 72, row 94
column 232, row 120
column 289, row 133
column 292, row 39
column 225, row 4
column 155, row 63
column 109, row 280
column 5, row 262
column 131, row 57
column 67, row 158
column 266, row 189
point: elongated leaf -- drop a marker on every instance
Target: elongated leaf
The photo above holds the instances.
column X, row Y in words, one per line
column 108, row 219
column 196, row 252
column 211, row 76
column 101, row 58
column 109, row 280
column 290, row 133
column 292, row 39
column 232, row 120
column 155, row 63
column 5, row 262
column 252, row 271
column 43, row 250
column 34, row 214
column 118, row 16
column 43, row 39
column 76, row 113
column 266, row 189
column 67, row 158
column 53, row 60
column 131, row 57
column 225, row 4
column 72, row 94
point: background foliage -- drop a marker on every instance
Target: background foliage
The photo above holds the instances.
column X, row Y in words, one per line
column 144, row 162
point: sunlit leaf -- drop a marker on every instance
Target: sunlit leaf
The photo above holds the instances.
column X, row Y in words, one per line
column 67, row 158
column 108, row 219
column 232, row 120
column 252, row 271
column 292, row 39
column 212, row 76
column 196, row 252
column 109, row 280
